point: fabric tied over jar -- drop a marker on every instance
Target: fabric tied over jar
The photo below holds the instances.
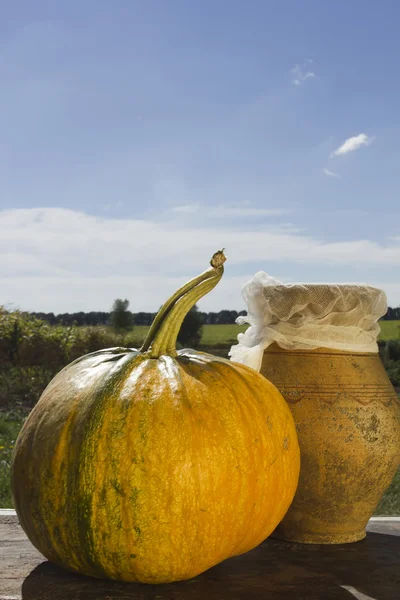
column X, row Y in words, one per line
column 307, row 316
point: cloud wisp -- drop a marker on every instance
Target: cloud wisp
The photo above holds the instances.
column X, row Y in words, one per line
column 55, row 259
column 186, row 209
column 300, row 73
column 329, row 173
column 352, row 144
column 231, row 211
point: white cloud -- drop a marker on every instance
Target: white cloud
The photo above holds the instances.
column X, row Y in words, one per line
column 353, row 143
column 231, row 211
column 186, row 208
column 55, row 259
column 300, row 73
column 329, row 173
column 246, row 211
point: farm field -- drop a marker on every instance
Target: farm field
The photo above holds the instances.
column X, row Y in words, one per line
column 212, row 335
column 224, row 334
column 390, row 330
column 217, row 335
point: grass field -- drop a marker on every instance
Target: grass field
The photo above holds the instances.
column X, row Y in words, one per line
column 212, row 335
column 390, row 330
column 215, row 335
column 219, row 335
column 227, row 334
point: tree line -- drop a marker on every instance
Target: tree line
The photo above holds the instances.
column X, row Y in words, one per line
column 223, row 317
column 393, row 314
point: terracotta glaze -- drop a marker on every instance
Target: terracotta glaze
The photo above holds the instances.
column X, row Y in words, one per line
column 347, row 417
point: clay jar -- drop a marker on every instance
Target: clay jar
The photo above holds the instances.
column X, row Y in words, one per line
column 318, row 344
column 347, row 417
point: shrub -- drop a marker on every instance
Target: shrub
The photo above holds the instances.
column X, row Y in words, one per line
column 393, row 371
column 392, row 350
column 190, row 332
column 21, row 387
column 121, row 318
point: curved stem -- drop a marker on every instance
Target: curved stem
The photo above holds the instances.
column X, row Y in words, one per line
column 163, row 333
column 186, row 304
column 165, row 343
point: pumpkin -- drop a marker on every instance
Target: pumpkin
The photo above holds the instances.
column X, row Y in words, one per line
column 153, row 465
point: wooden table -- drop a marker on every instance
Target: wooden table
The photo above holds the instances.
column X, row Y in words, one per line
column 366, row 570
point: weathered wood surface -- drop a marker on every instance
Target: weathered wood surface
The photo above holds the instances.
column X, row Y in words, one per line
column 366, row 570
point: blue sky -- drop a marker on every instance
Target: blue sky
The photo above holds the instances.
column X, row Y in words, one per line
column 136, row 138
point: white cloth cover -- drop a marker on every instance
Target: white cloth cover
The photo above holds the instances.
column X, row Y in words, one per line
column 307, row 316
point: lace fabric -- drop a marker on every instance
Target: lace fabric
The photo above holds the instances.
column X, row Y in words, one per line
column 307, row 316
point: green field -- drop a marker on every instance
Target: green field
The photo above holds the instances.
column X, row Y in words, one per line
column 212, row 335
column 390, row 330
column 227, row 334
column 216, row 335
column 219, row 335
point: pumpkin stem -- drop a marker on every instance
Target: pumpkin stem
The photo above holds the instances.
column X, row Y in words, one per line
column 163, row 333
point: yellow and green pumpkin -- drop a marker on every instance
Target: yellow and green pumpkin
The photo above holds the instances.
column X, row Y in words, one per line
column 154, row 465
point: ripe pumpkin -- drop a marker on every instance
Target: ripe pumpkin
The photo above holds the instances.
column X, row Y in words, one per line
column 154, row 465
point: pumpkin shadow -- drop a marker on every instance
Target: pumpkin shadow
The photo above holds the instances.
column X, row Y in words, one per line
column 365, row 570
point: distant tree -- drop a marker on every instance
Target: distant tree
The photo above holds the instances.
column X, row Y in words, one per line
column 226, row 317
column 121, row 318
column 97, row 318
column 393, row 314
column 69, row 319
column 93, row 318
column 48, row 317
column 190, row 331
column 144, row 318
column 204, row 317
column 212, row 318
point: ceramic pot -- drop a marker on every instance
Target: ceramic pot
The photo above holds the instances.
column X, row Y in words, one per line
column 347, row 416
